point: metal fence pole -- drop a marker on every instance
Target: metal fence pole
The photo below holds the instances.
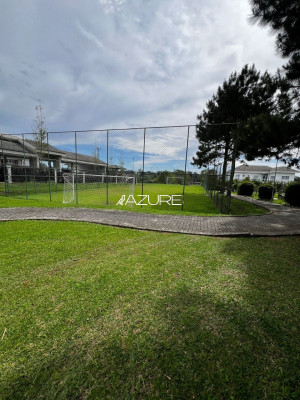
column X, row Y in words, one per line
column 215, row 180
column 25, row 172
column 274, row 182
column 221, row 188
column 34, row 178
column 76, row 168
column 232, row 167
column 4, row 169
column 107, row 137
column 143, row 164
column 49, row 172
column 185, row 163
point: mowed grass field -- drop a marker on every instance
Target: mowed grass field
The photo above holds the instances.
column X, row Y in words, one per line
column 196, row 202
column 95, row 312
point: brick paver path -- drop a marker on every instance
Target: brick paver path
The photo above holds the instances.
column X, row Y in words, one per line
column 280, row 221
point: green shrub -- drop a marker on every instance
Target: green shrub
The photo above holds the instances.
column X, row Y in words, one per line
column 292, row 194
column 211, row 181
column 246, row 189
column 235, row 185
column 257, row 182
column 265, row 192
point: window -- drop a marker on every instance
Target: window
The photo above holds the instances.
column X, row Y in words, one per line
column 272, row 177
column 255, row 177
column 285, row 178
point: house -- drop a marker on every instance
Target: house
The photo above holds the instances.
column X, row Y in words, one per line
column 265, row 173
column 18, row 152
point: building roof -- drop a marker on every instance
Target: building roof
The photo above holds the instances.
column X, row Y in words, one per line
column 263, row 168
column 254, row 168
column 69, row 155
column 15, row 144
column 11, row 143
column 37, row 145
column 285, row 169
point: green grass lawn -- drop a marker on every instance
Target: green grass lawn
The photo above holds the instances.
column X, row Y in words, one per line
column 95, row 312
column 196, row 202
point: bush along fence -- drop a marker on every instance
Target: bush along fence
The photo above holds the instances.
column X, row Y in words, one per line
column 218, row 189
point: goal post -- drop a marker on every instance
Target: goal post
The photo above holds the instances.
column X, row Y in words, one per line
column 175, row 180
column 92, row 185
column 69, row 188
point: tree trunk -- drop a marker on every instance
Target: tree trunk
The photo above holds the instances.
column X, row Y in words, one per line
column 234, row 151
column 222, row 189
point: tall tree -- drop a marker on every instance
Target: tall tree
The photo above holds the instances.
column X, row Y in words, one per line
column 96, row 156
column 245, row 94
column 244, row 99
column 275, row 132
column 283, row 16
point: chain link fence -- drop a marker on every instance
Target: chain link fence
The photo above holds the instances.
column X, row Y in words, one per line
column 120, row 167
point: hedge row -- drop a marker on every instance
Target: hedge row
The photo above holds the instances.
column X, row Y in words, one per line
column 292, row 194
column 246, row 189
column 266, row 192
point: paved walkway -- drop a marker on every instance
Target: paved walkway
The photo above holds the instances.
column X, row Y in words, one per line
column 280, row 221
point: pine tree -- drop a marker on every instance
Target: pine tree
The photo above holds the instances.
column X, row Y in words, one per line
column 256, row 107
column 245, row 94
column 283, row 16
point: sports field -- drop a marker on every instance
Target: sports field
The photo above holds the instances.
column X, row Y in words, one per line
column 196, row 202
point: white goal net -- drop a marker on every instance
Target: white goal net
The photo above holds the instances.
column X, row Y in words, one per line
column 91, row 188
column 175, row 180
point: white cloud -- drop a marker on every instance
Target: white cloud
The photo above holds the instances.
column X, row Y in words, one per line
column 117, row 63
column 111, row 6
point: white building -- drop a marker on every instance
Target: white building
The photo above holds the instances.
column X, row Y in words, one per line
column 264, row 173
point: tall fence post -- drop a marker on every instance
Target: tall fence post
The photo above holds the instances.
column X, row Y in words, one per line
column 222, row 187
column 274, row 181
column 4, row 169
column 49, row 172
column 143, row 171
column 76, row 168
column 185, row 163
column 107, row 138
column 34, row 180
column 234, row 151
column 25, row 172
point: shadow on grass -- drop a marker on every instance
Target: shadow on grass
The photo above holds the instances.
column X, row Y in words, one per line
column 202, row 347
column 235, row 337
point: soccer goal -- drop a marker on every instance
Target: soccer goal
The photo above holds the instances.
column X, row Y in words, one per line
column 91, row 187
column 175, row 180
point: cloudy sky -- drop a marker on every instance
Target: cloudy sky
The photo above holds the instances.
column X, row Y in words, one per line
column 96, row 64
column 119, row 63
